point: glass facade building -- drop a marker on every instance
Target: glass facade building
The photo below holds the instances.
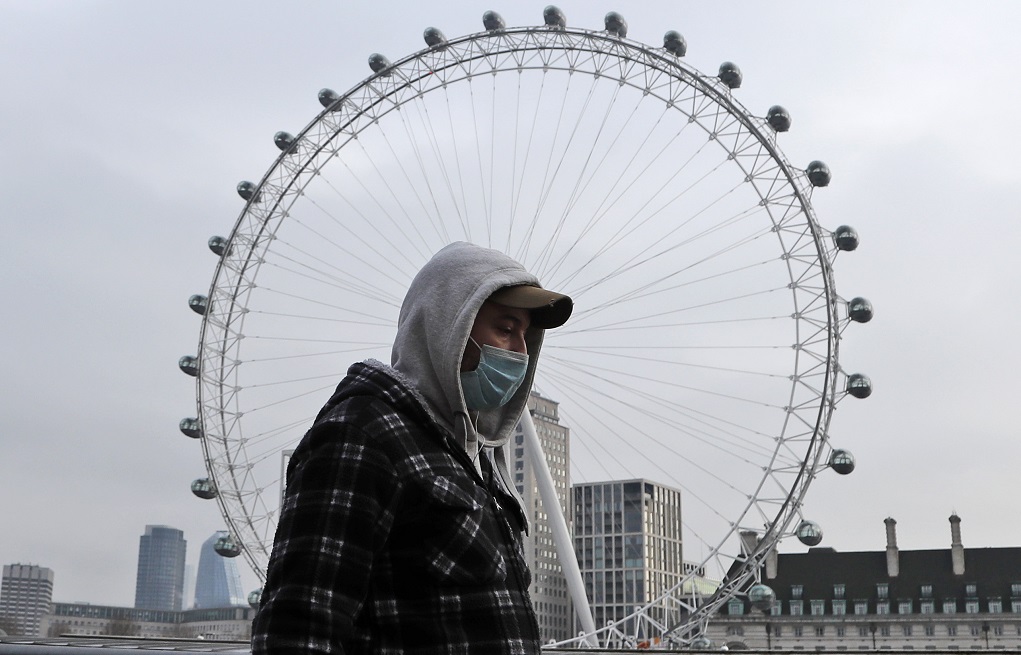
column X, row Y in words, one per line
column 627, row 535
column 218, row 583
column 159, row 584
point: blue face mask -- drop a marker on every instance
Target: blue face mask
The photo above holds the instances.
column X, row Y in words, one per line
column 493, row 382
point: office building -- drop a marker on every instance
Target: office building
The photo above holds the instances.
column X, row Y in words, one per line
column 223, row 623
column 26, row 592
column 966, row 599
column 218, row 583
column 627, row 534
column 159, row 584
column 549, row 586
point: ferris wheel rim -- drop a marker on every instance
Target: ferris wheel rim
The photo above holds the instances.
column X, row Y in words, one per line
column 231, row 342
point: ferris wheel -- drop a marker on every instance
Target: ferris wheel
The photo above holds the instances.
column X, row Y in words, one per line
column 703, row 351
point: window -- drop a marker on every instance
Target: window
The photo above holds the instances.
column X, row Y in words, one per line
column 820, row 631
column 840, row 631
column 976, row 630
column 777, row 631
column 838, row 591
column 950, row 606
column 995, row 606
column 818, row 607
column 839, row 607
column 926, row 591
column 735, row 630
column 905, row 607
column 797, row 631
column 797, row 591
column 882, row 590
column 1015, row 607
column 928, row 607
column 971, row 589
column 735, row 607
column 998, row 630
column 883, row 607
column 884, row 630
column 863, row 631
column 797, row 608
column 930, row 630
column 971, row 606
column 952, row 630
column 906, row 630
column 861, row 607
column 1015, row 589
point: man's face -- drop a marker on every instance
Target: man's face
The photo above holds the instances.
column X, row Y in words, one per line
column 499, row 326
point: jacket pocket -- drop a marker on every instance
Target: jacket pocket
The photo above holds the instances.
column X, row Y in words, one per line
column 462, row 535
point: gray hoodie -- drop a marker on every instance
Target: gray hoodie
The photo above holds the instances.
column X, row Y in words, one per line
column 435, row 321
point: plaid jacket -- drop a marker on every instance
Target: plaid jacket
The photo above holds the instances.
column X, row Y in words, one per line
column 389, row 541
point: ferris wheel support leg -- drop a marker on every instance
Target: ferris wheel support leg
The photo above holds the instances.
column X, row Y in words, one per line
column 558, row 525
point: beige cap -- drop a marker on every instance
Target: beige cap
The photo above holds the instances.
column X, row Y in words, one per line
column 549, row 309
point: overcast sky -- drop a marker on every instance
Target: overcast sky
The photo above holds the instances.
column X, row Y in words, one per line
column 128, row 124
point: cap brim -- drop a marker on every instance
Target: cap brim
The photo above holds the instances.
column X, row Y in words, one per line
column 549, row 309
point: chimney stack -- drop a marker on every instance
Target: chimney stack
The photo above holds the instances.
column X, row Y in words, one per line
column 892, row 554
column 956, row 547
column 749, row 540
column 771, row 563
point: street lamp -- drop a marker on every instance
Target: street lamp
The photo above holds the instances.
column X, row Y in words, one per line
column 872, row 629
column 985, row 633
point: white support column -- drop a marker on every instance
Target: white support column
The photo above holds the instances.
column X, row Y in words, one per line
column 558, row 525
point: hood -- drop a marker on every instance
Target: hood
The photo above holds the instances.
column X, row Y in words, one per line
column 432, row 331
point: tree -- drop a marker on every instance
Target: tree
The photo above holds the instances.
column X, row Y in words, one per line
column 121, row 628
column 9, row 626
column 59, row 628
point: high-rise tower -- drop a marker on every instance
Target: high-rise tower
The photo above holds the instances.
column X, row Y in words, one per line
column 159, row 584
column 218, row 583
column 627, row 534
column 549, row 586
column 26, row 592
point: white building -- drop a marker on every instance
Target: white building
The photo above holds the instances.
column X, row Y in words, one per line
column 549, row 586
column 25, row 594
column 966, row 599
column 220, row 624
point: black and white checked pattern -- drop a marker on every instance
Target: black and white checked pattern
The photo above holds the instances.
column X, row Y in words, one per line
column 389, row 541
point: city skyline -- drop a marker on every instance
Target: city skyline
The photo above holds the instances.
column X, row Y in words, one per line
column 108, row 215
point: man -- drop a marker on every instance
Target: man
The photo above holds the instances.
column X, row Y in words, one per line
column 400, row 531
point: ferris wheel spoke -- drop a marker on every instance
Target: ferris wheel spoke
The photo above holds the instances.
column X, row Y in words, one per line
column 654, row 411
column 609, row 200
column 437, row 162
column 362, row 242
column 604, row 419
column 486, row 187
column 545, row 182
column 412, row 189
column 363, row 291
column 542, row 261
column 682, row 417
